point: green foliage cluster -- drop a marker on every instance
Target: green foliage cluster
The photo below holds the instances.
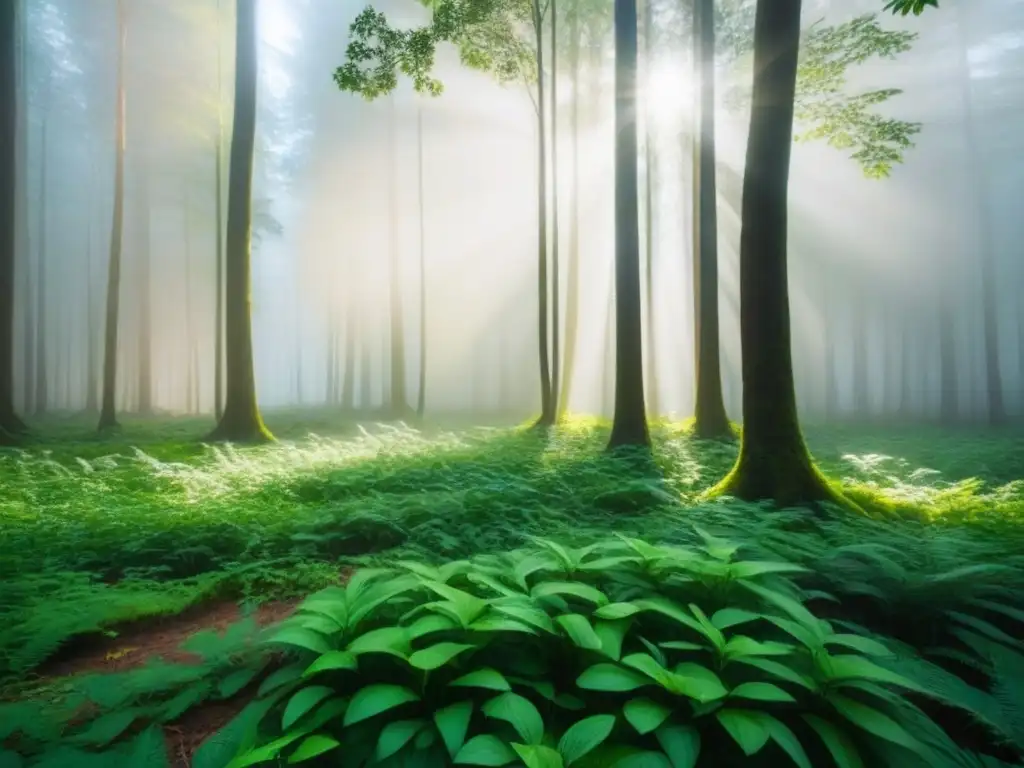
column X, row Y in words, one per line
column 127, row 534
column 618, row 653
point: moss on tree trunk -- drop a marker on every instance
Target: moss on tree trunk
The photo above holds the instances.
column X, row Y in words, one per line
column 241, row 420
column 774, row 463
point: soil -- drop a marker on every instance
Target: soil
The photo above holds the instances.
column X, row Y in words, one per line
column 138, row 643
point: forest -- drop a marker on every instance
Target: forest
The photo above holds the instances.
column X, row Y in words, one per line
column 539, row 383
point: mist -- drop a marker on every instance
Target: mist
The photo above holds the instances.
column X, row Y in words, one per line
column 362, row 208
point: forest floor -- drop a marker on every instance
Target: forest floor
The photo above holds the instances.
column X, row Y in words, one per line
column 114, row 550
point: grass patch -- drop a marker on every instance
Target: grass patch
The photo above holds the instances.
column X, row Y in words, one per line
column 96, row 531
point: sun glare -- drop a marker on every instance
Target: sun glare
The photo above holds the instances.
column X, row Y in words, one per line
column 670, row 94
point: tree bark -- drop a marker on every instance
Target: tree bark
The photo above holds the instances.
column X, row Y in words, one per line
column 774, row 463
column 654, row 407
column 42, row 395
column 421, row 389
column 108, row 414
column 241, row 420
column 348, row 377
column 711, row 421
column 218, row 332
column 145, row 299
column 629, row 426
column 556, row 269
column 398, row 401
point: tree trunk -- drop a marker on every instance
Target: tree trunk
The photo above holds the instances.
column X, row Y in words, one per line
column 10, row 423
column 654, row 407
column 629, row 426
column 861, row 382
column 42, row 396
column 145, row 299
column 92, row 399
column 948, row 395
column 24, row 245
column 774, row 463
column 556, row 269
column 711, row 421
column 421, row 389
column 398, row 401
column 218, row 332
column 365, row 378
column 241, row 420
column 348, row 381
column 547, row 405
column 108, row 415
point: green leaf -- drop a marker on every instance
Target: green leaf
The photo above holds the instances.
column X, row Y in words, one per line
column 396, row 735
column 518, row 712
column 873, row 721
column 779, row 670
column 331, row 661
column 300, row 637
column 681, row 743
column 426, row 625
column 236, row 681
column 538, row 756
column 616, row 611
column 374, row 699
column 644, row 714
column 219, row 750
column 643, row 759
column 313, row 746
column 843, row 750
column 483, row 678
column 437, row 655
column 785, row 738
column 760, row 692
column 279, row 678
column 751, row 568
column 147, row 750
column 698, row 682
column 610, row 677
column 453, row 724
column 485, row 750
column 731, row 617
column 580, row 631
column 108, row 727
column 394, row 641
column 859, row 643
column 466, row 606
column 747, row 729
column 670, row 610
column 571, row 588
column 741, row 645
column 585, row 736
column 10, row 760
column 303, row 701
column 849, row 667
column 526, row 613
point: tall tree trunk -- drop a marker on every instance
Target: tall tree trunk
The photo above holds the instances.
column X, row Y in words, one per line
column 556, row 268
column 607, row 406
column 218, row 334
column 191, row 399
column 421, row 389
column 23, row 213
column 861, row 381
column 144, row 293
column 978, row 189
column 42, row 396
column 332, row 389
column 241, row 420
column 365, row 375
column 547, row 405
column 711, row 421
column 629, row 426
column 92, row 399
column 398, row 401
column 653, row 406
column 348, row 394
column 949, row 400
column 10, row 423
column 108, row 414
column 774, row 463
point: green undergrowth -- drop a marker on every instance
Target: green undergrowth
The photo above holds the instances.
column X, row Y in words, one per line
column 95, row 532
column 619, row 654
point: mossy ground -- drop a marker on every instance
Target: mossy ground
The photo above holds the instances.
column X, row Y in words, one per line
column 96, row 531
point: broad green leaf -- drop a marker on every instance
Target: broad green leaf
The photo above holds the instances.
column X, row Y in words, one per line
column 760, row 692
column 147, row 750
column 681, row 744
column 643, row 759
column 374, row 699
column 751, row 568
column 747, row 729
column 280, row 678
column 468, row 607
column 843, row 750
column 718, row 548
column 616, row 611
column 612, row 632
column 267, row 752
column 538, row 756
column 237, row 736
column 701, row 684
column 584, row 736
column 849, row 667
column 873, row 721
column 793, row 607
column 681, row 645
column 437, row 655
column 526, row 613
column 610, row 677
column 394, row 641
column 396, row 735
column 710, row 631
column 779, row 670
column 332, row 660
column 453, row 724
column 108, row 727
column 731, row 617
column 429, row 624
column 785, row 738
column 859, row 643
column 671, row 610
column 483, row 678
column 494, row 622
column 300, row 637
column 644, row 714
column 485, row 750
column 741, row 645
column 580, row 631
column 571, row 588
column 301, row 702
column 313, row 746
column 519, row 712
